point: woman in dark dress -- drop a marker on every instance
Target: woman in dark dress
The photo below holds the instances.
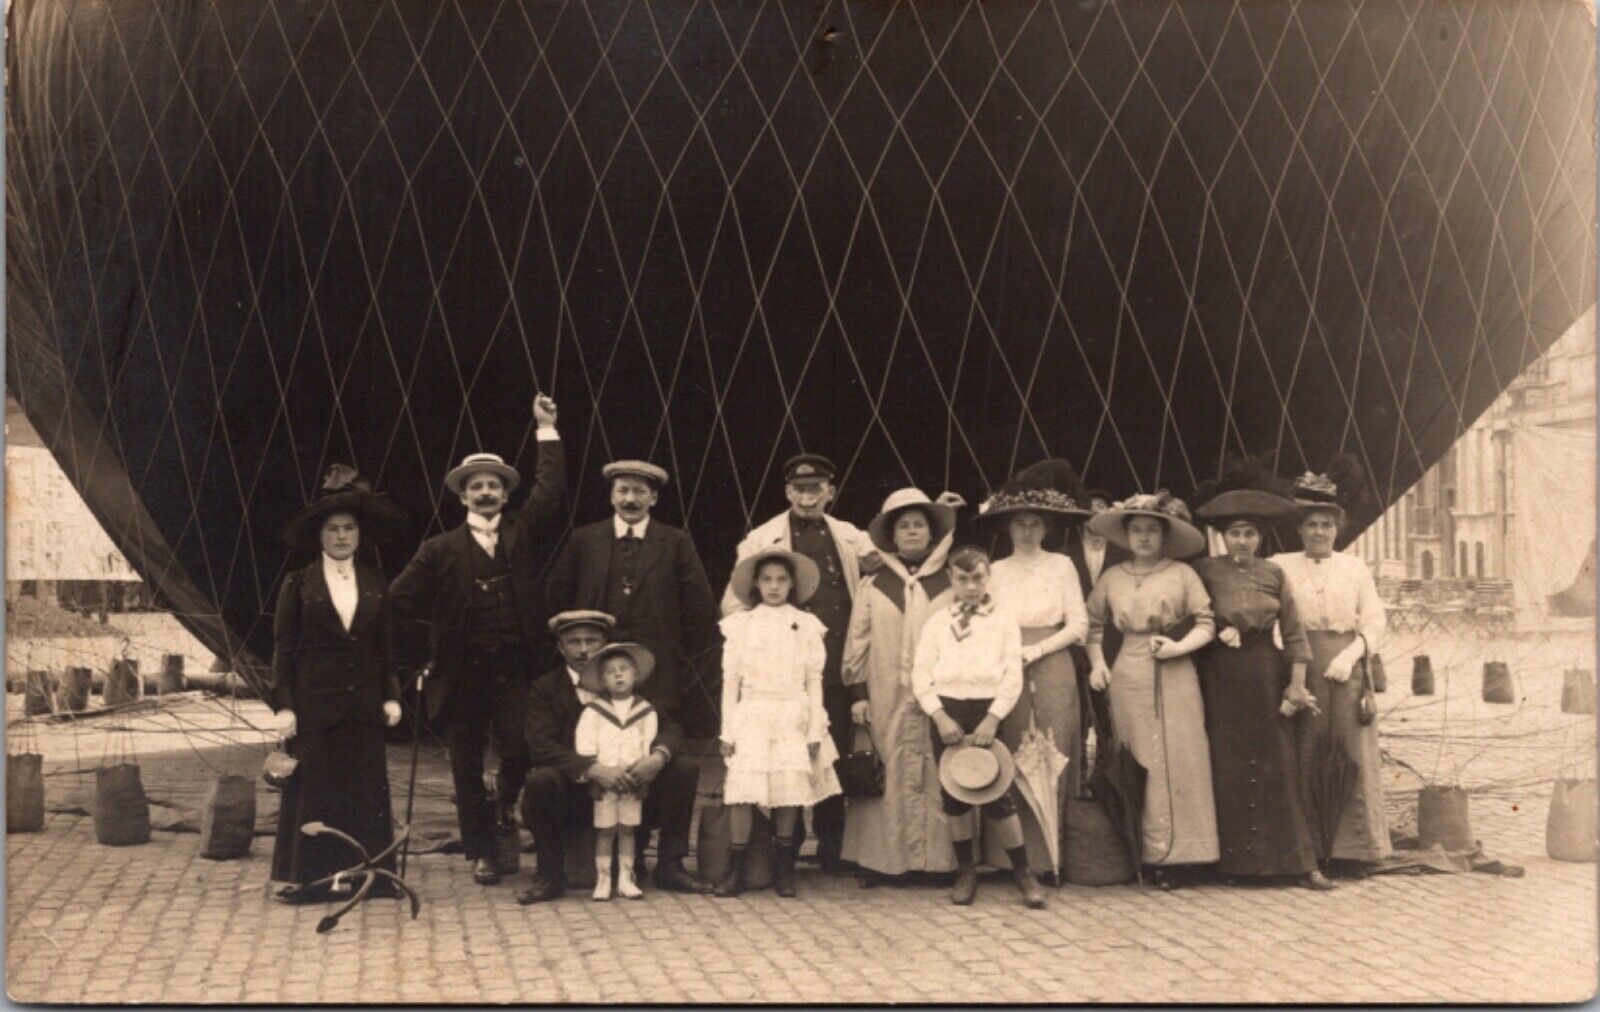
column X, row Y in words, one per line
column 1250, row 688
column 334, row 688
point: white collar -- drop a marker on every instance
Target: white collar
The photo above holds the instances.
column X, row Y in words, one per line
column 621, row 526
column 478, row 523
column 574, row 674
column 345, row 567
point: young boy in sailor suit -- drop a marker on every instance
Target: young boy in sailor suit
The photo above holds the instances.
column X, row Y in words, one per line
column 617, row 729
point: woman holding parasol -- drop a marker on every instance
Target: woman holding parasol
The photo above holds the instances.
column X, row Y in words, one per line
column 1343, row 618
column 1164, row 614
column 1041, row 589
column 334, row 688
column 1249, row 686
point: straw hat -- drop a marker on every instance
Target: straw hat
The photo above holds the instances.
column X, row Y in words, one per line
column 478, row 463
column 1183, row 539
column 1019, row 497
column 343, row 490
column 643, row 659
column 654, row 476
column 806, row 574
column 977, row 775
column 1317, row 493
column 941, row 517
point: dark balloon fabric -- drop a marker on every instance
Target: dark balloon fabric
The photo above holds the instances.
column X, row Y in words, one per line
column 933, row 240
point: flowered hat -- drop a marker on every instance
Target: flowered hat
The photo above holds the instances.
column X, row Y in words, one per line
column 343, row 490
column 1018, row 497
column 1183, row 539
column 1317, row 493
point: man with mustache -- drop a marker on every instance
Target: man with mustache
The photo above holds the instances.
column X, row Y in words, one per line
column 649, row 577
column 843, row 553
column 474, row 587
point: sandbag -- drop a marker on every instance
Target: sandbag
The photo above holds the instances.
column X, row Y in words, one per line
column 228, row 818
column 1095, row 855
column 1497, row 684
column 73, row 695
column 1422, row 675
column 37, row 700
column 1570, row 831
column 1577, row 691
column 121, row 811
column 1442, row 819
column 171, row 679
column 716, row 840
column 24, row 793
column 122, row 682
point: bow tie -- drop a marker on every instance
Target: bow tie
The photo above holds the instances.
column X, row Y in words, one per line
column 964, row 613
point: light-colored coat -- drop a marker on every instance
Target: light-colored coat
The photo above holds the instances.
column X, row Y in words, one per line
column 851, row 542
column 905, row 830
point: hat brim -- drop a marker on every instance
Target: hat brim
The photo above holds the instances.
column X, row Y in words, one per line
column 376, row 514
column 643, row 660
column 943, row 519
column 1183, row 539
column 982, row 796
column 457, row 477
column 807, row 576
column 1048, row 512
column 655, row 477
column 595, row 620
column 1246, row 504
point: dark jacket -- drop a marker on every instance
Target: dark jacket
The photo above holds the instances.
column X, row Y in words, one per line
column 551, row 722
column 320, row 671
column 1111, row 643
column 433, row 589
column 671, row 610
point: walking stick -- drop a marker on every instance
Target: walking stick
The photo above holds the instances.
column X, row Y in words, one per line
column 416, row 746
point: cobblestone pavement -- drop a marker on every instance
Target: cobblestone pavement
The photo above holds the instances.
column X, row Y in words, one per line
column 156, row 923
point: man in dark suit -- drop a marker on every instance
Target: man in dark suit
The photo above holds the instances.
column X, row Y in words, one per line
column 646, row 574
column 475, row 588
column 557, row 801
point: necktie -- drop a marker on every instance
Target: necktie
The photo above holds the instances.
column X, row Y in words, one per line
column 488, row 537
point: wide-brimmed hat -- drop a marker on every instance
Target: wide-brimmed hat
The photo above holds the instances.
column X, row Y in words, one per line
column 1183, row 537
column 343, row 490
column 806, row 574
column 643, row 660
column 1315, row 493
column 477, row 463
column 655, row 476
column 1020, row 497
column 562, row 621
column 1246, row 504
column 977, row 775
column 941, row 518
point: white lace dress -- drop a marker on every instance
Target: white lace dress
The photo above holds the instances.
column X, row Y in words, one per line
column 772, row 710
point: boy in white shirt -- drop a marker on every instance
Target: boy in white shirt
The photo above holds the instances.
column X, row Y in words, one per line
column 616, row 729
column 967, row 676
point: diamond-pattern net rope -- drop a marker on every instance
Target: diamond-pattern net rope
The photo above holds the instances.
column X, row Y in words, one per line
column 934, row 240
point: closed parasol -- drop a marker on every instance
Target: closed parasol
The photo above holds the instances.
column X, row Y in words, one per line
column 1330, row 780
column 1040, row 766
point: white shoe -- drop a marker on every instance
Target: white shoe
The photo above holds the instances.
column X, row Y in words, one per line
column 602, row 881
column 626, row 887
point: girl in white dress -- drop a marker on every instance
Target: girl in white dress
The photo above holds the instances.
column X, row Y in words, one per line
column 774, row 728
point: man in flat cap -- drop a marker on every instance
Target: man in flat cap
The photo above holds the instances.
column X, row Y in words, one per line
column 842, row 552
column 475, row 588
column 649, row 576
column 557, row 805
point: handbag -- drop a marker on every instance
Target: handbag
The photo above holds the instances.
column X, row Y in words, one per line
column 1366, row 703
column 860, row 771
column 279, row 769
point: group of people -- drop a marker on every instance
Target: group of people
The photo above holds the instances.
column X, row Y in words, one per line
column 1063, row 611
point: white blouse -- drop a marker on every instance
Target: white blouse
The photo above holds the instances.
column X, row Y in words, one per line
column 1335, row 594
column 342, row 590
column 1043, row 594
column 774, row 652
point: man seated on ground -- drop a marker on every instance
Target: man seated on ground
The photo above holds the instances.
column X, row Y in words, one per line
column 557, row 801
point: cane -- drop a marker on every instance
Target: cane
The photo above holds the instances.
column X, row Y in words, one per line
column 416, row 746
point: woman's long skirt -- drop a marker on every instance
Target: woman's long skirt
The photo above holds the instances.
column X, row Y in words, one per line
column 1260, row 823
column 1156, row 710
column 1050, row 695
column 342, row 781
column 1363, row 828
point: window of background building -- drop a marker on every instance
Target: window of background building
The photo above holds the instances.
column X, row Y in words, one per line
column 1427, row 565
column 1477, row 552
